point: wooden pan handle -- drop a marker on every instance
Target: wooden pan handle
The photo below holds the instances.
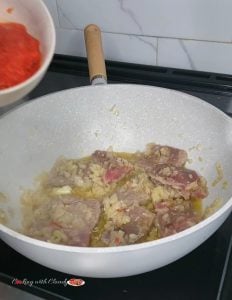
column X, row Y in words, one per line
column 95, row 55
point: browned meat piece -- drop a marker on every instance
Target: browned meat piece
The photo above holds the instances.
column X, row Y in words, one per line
column 116, row 168
column 127, row 222
column 115, row 174
column 174, row 216
column 76, row 217
column 140, row 222
column 131, row 196
column 188, row 182
column 157, row 154
column 71, row 220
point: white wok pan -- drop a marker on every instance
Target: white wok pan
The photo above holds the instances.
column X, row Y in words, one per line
column 76, row 122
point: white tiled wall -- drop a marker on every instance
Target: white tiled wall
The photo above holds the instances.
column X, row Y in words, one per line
column 188, row 34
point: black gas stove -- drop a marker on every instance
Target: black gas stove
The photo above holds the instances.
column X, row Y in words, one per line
column 204, row 274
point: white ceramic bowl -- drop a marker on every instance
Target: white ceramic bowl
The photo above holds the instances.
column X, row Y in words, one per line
column 38, row 21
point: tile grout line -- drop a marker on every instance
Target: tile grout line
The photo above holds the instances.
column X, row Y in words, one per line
column 152, row 36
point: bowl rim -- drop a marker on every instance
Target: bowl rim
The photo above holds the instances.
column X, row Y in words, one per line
column 45, row 62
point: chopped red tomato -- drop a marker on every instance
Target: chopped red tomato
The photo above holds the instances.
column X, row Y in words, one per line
column 20, row 54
